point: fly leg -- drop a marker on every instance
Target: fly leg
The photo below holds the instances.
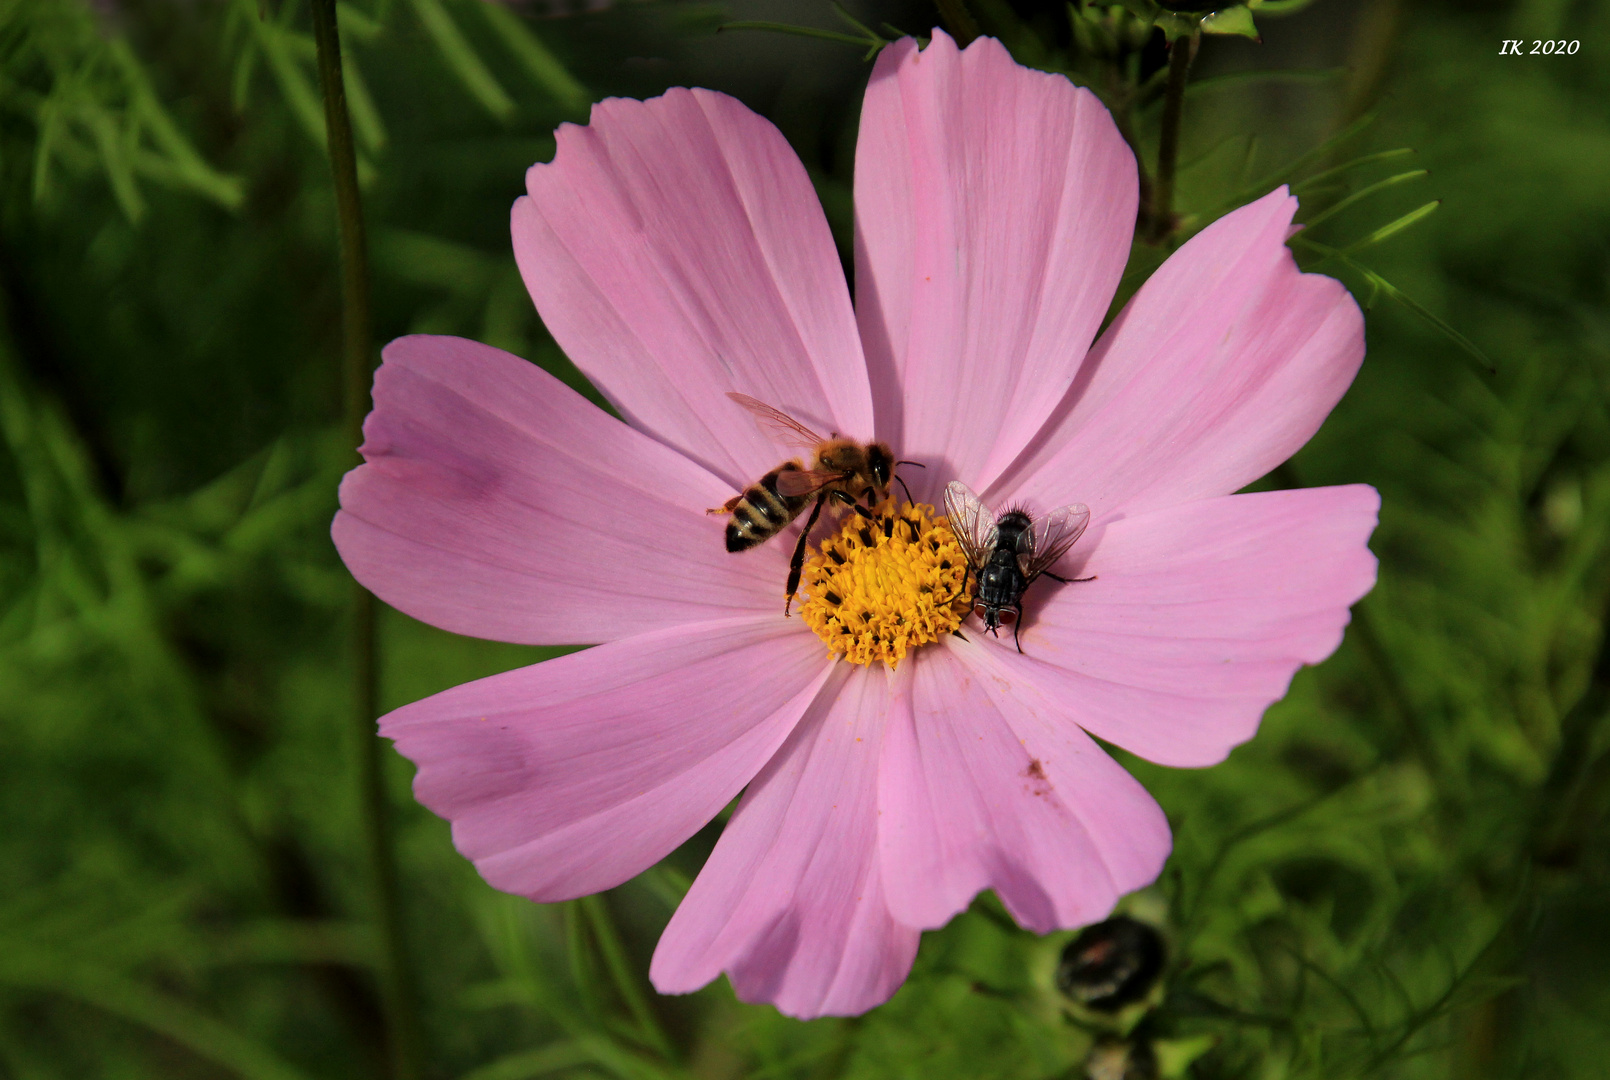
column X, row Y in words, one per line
column 1017, row 623
column 797, row 566
column 1066, row 580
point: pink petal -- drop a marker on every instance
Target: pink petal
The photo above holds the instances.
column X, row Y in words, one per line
column 498, row 502
column 994, row 209
column 572, row 776
column 1198, row 617
column 676, row 250
column 986, row 784
column 1220, row 368
column 791, row 904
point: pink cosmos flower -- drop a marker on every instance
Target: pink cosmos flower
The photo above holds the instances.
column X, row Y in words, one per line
column 676, row 251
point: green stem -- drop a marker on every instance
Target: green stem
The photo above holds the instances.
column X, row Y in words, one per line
column 958, row 20
column 1121, row 102
column 403, row 1024
column 625, row 978
column 1180, row 54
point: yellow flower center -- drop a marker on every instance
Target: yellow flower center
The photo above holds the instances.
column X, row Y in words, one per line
column 886, row 584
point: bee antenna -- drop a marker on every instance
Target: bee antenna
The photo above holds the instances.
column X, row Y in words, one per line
column 903, row 487
column 918, row 464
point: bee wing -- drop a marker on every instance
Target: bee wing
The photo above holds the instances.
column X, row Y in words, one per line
column 971, row 521
column 1050, row 538
column 778, row 424
column 806, row 481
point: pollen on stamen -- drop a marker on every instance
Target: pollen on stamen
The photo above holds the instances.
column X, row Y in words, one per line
column 875, row 590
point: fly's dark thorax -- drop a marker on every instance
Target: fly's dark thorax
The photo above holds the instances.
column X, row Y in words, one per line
column 1000, row 580
column 1000, row 584
column 762, row 512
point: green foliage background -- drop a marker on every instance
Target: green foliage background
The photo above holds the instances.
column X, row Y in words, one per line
column 1404, row 875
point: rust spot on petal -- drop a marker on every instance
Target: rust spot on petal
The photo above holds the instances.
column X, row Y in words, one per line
column 1039, row 783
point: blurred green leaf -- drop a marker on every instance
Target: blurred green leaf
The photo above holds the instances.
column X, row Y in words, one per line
column 536, row 58
column 462, row 59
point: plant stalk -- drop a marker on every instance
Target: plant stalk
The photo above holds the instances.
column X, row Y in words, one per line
column 1161, row 214
column 403, row 1028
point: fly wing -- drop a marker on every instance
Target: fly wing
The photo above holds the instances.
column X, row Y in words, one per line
column 778, row 424
column 972, row 523
column 1050, row 539
column 792, row 482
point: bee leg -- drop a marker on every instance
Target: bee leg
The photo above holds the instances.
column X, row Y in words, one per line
column 797, row 566
column 727, row 507
column 840, row 497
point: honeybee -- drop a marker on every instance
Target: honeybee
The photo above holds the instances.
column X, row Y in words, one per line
column 842, row 472
column 1008, row 553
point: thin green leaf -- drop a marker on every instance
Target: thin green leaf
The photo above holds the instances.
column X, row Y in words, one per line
column 1368, row 159
column 1291, row 169
column 872, row 36
column 1380, row 283
column 202, row 1035
column 623, row 975
column 279, row 49
column 1278, row 7
column 464, row 61
column 624, row 1063
column 668, row 885
column 1361, row 1014
column 295, row 941
column 1364, row 193
column 529, row 1063
column 433, row 261
column 1392, row 228
column 241, row 83
column 114, row 159
column 534, row 56
column 366, row 122
column 798, row 31
column 1242, row 78
column 355, row 25
column 582, row 969
column 153, row 118
column 50, row 134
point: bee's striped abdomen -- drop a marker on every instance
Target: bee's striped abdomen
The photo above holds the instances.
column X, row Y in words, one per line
column 761, row 512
